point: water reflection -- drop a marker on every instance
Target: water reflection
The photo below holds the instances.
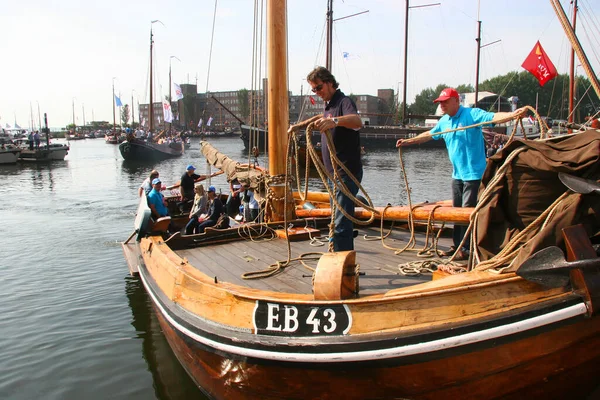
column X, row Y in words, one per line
column 171, row 382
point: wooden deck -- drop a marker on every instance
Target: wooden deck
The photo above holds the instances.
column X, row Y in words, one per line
column 227, row 262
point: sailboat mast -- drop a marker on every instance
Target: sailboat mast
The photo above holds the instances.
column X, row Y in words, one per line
column 329, row 35
column 132, row 111
column 585, row 63
column 39, row 116
column 83, row 112
column 170, row 123
column 113, row 103
column 74, row 125
column 278, row 105
column 403, row 104
column 151, row 106
column 572, row 69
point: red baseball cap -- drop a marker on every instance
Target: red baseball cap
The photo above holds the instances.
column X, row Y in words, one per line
column 446, row 94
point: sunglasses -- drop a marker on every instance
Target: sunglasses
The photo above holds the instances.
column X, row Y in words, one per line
column 317, row 88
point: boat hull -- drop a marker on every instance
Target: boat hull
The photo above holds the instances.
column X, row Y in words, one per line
column 143, row 151
column 9, row 156
column 55, row 153
column 555, row 364
column 550, row 350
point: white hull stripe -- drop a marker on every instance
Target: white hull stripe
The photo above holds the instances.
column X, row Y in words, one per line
column 394, row 352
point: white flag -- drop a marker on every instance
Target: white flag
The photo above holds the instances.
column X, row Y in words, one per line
column 143, row 122
column 178, row 92
column 209, row 121
column 167, row 114
column 200, row 123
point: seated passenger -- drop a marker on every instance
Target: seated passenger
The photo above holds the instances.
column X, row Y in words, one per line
column 156, row 201
column 200, row 207
column 214, row 211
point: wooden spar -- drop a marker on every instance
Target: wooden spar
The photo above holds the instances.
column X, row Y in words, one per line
column 576, row 45
column 456, row 215
column 278, row 122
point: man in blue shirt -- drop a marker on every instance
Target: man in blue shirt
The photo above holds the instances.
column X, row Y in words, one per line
column 340, row 116
column 156, row 200
column 466, row 150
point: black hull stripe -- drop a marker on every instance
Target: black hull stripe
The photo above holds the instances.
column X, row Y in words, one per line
column 323, row 350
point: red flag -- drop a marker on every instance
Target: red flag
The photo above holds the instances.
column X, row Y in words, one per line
column 312, row 101
column 539, row 64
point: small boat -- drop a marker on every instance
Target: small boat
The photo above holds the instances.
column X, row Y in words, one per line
column 254, row 312
column 9, row 153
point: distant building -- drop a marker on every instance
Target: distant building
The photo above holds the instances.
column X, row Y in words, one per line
column 374, row 110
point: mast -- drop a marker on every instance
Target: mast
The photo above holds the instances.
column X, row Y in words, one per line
column 403, row 104
column 329, row 35
column 478, row 40
column 132, row 111
column 74, row 125
column 83, row 111
column 170, row 123
column 113, row 102
column 151, row 106
column 585, row 63
column 572, row 70
column 278, row 106
column 47, row 131
column 39, row 116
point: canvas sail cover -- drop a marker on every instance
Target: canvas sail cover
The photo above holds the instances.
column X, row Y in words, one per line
column 531, row 185
column 232, row 169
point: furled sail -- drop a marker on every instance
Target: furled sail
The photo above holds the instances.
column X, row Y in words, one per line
column 233, row 169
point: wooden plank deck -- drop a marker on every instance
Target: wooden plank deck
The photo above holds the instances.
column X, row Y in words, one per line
column 228, row 261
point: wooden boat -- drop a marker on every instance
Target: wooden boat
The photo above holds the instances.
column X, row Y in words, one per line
column 500, row 328
column 134, row 149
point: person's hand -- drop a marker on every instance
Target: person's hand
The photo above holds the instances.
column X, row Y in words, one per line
column 323, row 124
column 520, row 112
column 402, row 142
column 293, row 129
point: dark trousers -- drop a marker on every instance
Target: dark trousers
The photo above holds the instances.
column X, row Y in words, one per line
column 464, row 194
column 193, row 226
column 343, row 235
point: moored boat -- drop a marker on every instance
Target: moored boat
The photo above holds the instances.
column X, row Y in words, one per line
column 247, row 320
column 134, row 149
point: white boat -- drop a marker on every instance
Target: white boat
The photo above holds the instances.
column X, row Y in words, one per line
column 46, row 151
column 9, row 153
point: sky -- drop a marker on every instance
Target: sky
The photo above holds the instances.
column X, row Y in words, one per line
column 60, row 55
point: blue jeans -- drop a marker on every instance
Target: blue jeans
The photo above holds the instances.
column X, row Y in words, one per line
column 343, row 235
column 464, row 194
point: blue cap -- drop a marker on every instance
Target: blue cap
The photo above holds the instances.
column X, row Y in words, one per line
column 190, row 168
column 127, row 130
column 155, row 181
column 211, row 188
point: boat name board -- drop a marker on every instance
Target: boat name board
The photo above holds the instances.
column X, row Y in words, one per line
column 281, row 319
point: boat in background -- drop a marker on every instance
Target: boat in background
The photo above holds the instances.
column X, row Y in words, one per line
column 45, row 152
column 156, row 148
column 135, row 149
column 9, row 152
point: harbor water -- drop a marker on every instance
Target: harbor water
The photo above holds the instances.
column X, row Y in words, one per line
column 73, row 323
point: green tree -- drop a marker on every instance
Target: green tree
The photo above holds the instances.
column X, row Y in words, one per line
column 125, row 115
column 243, row 100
